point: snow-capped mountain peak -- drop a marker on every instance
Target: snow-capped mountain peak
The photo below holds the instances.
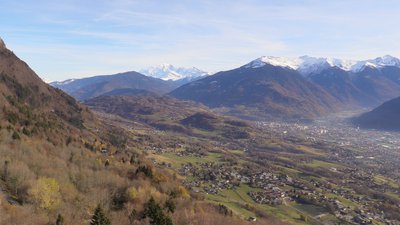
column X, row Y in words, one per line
column 304, row 64
column 307, row 65
column 61, row 83
column 292, row 63
column 386, row 60
column 379, row 62
column 169, row 72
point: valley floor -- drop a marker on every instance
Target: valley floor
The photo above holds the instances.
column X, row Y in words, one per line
column 325, row 172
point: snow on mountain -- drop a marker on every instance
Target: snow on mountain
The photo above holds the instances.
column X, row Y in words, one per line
column 308, row 65
column 61, row 83
column 387, row 60
column 169, row 72
column 292, row 63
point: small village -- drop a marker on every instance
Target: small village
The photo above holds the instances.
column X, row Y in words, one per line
column 337, row 194
column 274, row 189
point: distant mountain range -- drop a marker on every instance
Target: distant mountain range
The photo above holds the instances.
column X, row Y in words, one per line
column 298, row 87
column 384, row 117
column 158, row 79
column 307, row 65
column 303, row 87
column 170, row 72
column 268, row 90
column 363, row 83
column 91, row 87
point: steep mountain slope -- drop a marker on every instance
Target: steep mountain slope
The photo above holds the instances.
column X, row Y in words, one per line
column 57, row 165
column 29, row 103
column 170, row 72
column 367, row 88
column 376, row 85
column 271, row 90
column 384, row 117
column 91, row 87
column 392, row 73
column 39, row 127
column 365, row 83
column 339, row 84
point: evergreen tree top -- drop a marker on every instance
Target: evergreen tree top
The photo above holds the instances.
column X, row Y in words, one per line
column 99, row 217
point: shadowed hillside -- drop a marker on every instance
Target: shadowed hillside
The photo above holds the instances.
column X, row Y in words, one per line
column 264, row 91
column 91, row 87
column 384, row 117
column 169, row 114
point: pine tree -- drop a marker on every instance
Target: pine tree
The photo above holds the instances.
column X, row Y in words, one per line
column 155, row 213
column 99, row 217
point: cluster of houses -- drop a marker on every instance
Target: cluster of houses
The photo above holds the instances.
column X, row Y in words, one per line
column 213, row 177
column 210, row 178
column 274, row 196
column 270, row 186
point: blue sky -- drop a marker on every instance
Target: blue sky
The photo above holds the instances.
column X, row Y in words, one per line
column 77, row 38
